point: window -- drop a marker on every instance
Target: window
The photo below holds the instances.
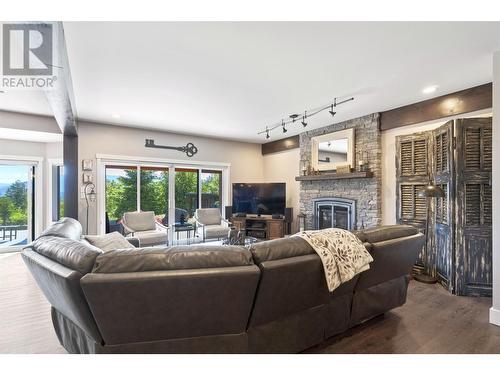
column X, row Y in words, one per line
column 121, row 191
column 16, row 204
column 211, row 189
column 154, row 191
column 186, row 193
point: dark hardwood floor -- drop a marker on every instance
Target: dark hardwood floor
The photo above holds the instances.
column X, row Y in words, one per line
column 432, row 321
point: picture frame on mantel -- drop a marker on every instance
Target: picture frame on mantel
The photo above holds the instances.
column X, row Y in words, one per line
column 333, row 150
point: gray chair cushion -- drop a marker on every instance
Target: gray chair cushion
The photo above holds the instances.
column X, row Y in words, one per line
column 385, row 233
column 280, row 248
column 172, row 258
column 208, row 216
column 76, row 255
column 65, row 228
column 110, row 241
column 151, row 238
column 140, row 221
column 216, row 231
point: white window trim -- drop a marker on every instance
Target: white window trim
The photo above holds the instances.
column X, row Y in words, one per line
column 105, row 159
column 39, row 183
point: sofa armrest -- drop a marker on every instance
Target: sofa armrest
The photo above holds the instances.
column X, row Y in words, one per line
column 127, row 230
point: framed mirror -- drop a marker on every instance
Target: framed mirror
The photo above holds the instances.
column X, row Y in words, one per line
column 332, row 150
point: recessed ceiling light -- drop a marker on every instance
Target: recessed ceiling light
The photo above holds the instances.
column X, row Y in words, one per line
column 115, row 115
column 429, row 89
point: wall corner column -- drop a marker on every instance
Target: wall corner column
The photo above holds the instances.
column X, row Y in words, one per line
column 495, row 309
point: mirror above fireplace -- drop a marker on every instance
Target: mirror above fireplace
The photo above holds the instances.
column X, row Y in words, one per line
column 329, row 151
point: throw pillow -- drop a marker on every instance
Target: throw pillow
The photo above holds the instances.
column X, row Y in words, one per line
column 110, row 241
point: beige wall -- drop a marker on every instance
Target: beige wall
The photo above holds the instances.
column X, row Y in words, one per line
column 389, row 161
column 495, row 310
column 284, row 167
column 245, row 158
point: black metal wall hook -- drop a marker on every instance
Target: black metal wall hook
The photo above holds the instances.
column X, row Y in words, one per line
column 190, row 149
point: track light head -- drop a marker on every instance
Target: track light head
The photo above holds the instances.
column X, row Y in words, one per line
column 267, row 132
column 303, row 122
column 331, row 111
column 283, row 125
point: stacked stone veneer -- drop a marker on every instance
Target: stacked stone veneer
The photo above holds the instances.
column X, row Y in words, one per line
column 367, row 192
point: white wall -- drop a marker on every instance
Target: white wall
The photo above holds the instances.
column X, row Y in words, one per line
column 284, row 167
column 245, row 158
column 495, row 310
column 389, row 160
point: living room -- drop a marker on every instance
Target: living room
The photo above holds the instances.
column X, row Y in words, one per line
column 256, row 187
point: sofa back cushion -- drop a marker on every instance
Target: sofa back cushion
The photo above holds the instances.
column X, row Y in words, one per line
column 172, row 258
column 385, row 233
column 65, row 228
column 140, row 221
column 280, row 248
column 76, row 255
column 208, row 216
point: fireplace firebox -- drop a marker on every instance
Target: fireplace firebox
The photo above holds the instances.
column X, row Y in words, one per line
column 334, row 213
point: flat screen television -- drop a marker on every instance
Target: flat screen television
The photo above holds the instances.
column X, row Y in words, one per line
column 259, row 199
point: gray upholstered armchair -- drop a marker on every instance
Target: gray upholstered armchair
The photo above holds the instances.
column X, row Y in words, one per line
column 210, row 224
column 143, row 226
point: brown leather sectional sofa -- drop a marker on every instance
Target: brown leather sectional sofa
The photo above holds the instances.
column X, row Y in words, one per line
column 272, row 298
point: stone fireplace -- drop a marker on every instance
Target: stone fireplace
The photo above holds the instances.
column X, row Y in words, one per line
column 364, row 193
column 334, row 213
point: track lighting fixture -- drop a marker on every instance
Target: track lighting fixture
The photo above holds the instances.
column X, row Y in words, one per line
column 332, row 109
column 283, row 125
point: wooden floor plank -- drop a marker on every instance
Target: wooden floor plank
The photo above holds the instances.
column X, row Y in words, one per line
column 432, row 321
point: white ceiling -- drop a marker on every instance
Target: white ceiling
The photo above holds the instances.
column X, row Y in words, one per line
column 230, row 80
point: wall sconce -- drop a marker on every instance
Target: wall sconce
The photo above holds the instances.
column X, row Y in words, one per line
column 90, row 195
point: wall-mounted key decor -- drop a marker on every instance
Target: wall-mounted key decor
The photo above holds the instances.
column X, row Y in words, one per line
column 190, row 149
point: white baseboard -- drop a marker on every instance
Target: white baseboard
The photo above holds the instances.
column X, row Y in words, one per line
column 495, row 316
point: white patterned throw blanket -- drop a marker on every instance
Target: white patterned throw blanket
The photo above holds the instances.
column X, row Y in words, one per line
column 342, row 253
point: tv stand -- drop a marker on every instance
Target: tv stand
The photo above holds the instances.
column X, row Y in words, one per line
column 261, row 227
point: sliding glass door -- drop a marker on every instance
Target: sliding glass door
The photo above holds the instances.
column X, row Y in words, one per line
column 17, row 184
column 171, row 191
column 186, row 193
column 154, row 192
column 120, row 194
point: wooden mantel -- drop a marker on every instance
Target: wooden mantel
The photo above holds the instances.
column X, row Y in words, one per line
column 334, row 176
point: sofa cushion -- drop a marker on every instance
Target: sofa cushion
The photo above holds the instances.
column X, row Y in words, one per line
column 280, row 248
column 216, row 231
column 77, row 255
column 172, row 258
column 65, row 228
column 386, row 232
column 208, row 216
column 110, row 241
column 152, row 237
column 140, row 221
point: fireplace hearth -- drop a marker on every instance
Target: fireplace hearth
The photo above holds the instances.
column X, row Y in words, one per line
column 334, row 213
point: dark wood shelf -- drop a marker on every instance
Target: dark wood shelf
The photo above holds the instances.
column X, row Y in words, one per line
column 335, row 176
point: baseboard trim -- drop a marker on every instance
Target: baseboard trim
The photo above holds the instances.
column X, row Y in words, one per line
column 495, row 316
